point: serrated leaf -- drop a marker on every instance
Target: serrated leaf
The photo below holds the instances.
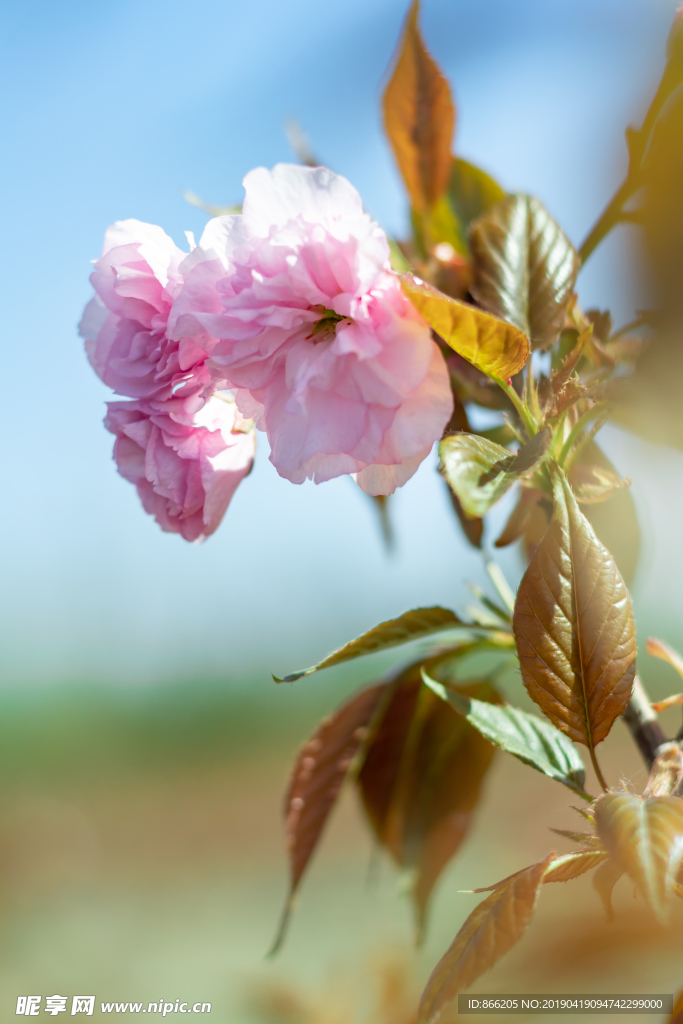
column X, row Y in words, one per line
column 421, row 780
column 479, row 471
column 573, row 626
column 572, row 865
column 645, row 839
column 582, row 838
column 410, row 626
column 320, row 769
column 493, row 346
column 524, row 267
column 419, row 118
column 471, row 192
column 490, row 931
column 561, row 868
column 530, row 739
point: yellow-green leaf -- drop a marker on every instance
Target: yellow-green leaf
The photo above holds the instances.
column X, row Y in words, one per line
column 573, row 626
column 410, row 626
column 495, row 347
column 471, row 192
column 523, row 267
column 419, row 118
column 644, row 839
column 489, row 932
column 479, row 471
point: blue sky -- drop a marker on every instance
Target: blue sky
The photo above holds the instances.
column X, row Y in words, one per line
column 110, row 111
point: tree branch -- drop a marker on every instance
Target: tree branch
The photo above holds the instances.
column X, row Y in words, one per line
column 643, row 724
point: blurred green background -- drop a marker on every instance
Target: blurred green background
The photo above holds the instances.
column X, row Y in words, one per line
column 141, row 859
column 144, row 748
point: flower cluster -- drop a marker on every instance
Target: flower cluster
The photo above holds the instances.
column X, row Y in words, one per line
column 286, row 317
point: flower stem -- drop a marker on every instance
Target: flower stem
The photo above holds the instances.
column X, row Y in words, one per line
column 575, row 432
column 527, row 419
column 609, row 218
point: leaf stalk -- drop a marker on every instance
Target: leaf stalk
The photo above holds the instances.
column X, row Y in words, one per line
column 575, row 433
column 530, row 424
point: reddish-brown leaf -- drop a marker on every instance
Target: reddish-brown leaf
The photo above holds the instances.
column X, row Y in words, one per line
column 319, row 771
column 524, row 267
column 421, row 779
column 561, row 868
column 489, row 932
column 571, row 865
column 574, row 627
column 519, row 517
column 419, row 118
column 658, row 649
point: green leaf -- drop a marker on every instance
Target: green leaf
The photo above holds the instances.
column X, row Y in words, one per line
column 419, row 118
column 492, row 929
column 479, row 471
column 530, row 739
column 421, row 781
column 495, row 347
column 399, row 260
column 317, row 777
column 523, row 267
column 645, row 839
column 410, row 626
column 573, row 626
column 440, row 225
column 471, row 192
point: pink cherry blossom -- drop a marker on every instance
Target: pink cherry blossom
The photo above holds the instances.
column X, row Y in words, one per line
column 316, row 338
column 186, row 469
column 125, row 325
